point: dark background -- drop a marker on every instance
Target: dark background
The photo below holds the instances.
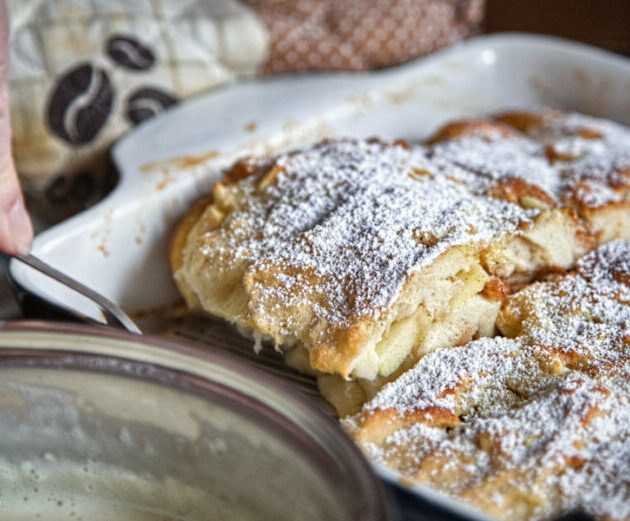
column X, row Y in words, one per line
column 604, row 23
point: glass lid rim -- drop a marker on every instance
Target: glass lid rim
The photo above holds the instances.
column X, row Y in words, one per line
column 26, row 339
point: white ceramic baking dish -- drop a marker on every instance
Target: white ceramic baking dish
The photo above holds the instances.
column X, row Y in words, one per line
column 119, row 247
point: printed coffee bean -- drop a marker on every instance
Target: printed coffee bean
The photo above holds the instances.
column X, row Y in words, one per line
column 129, row 53
column 80, row 104
column 146, row 102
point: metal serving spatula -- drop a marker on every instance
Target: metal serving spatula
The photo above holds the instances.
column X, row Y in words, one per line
column 112, row 313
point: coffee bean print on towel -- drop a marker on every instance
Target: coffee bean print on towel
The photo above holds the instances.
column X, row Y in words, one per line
column 127, row 52
column 146, row 102
column 80, row 103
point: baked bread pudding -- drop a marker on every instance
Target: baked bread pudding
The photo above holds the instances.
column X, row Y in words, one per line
column 433, row 290
column 531, row 424
column 359, row 257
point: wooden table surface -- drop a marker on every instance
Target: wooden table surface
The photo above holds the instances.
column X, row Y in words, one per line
column 604, row 23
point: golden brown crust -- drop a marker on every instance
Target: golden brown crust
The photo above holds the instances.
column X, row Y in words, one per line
column 337, row 355
column 522, row 121
column 536, row 122
column 181, row 231
column 496, row 290
column 519, row 191
column 240, row 170
column 475, row 127
column 377, row 425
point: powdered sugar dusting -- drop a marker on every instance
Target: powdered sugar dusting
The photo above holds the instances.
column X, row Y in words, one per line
column 352, row 219
column 341, row 226
column 552, row 446
column 593, row 193
column 467, row 380
column 557, row 434
column 592, row 155
column 609, row 263
column 499, row 159
column 586, row 314
column 600, row 177
column 574, row 316
column 572, row 157
column 360, row 216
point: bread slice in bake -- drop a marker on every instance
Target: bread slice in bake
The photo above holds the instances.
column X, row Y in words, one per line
column 357, row 253
column 527, row 427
